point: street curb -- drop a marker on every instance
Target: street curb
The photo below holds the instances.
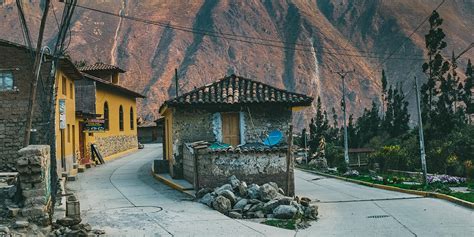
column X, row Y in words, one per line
column 390, row 188
column 171, row 184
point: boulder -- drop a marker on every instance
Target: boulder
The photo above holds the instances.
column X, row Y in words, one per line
column 243, row 189
column 285, row 200
column 247, row 207
column 269, row 206
column 234, row 182
column 319, row 163
column 241, row 204
column 311, row 212
column 268, row 192
column 207, row 199
column 221, row 204
column 259, row 214
column 273, row 184
column 202, row 192
column 253, row 191
column 285, row 212
column 256, row 207
column 222, row 188
column 229, row 195
column 305, row 201
column 235, row 215
column 21, row 224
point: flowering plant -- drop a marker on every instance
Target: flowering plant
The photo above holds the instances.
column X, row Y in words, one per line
column 445, row 179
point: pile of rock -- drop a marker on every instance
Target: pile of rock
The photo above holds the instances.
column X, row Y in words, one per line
column 238, row 200
column 62, row 228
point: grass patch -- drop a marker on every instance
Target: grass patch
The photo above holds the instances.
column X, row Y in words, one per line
column 439, row 188
column 464, row 196
column 285, row 224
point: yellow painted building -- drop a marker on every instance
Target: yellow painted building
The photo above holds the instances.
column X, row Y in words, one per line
column 67, row 131
column 101, row 98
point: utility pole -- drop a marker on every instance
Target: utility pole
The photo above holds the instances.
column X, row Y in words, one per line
column 420, row 130
column 37, row 72
column 343, row 75
column 176, row 81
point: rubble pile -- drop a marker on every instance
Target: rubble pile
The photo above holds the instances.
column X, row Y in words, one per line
column 238, row 200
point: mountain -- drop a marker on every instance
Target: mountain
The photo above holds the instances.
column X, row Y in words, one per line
column 296, row 45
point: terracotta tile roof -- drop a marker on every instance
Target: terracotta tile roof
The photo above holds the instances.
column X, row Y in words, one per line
column 203, row 147
column 238, row 90
column 100, row 67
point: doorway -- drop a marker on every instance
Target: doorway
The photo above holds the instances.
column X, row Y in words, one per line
column 63, row 149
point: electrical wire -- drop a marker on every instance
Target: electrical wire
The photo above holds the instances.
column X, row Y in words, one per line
column 241, row 38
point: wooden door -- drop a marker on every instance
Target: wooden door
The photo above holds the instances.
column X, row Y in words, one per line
column 231, row 128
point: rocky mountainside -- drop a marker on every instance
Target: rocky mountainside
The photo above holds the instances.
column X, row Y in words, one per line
column 296, row 45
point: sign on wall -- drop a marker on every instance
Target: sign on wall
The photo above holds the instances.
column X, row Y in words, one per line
column 62, row 114
column 94, row 125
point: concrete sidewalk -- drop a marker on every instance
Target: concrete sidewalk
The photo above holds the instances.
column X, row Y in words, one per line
column 122, row 198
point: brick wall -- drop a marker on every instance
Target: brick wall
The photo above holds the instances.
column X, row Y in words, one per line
column 14, row 105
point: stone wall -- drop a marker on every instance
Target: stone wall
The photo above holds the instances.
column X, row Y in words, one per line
column 214, row 168
column 111, row 145
column 14, row 105
column 190, row 125
column 35, row 182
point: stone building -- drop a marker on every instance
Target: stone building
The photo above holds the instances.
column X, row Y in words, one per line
column 235, row 112
column 16, row 76
column 102, row 101
column 150, row 131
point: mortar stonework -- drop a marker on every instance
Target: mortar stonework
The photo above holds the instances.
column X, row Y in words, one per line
column 35, row 183
column 215, row 168
column 111, row 145
column 14, row 105
column 194, row 124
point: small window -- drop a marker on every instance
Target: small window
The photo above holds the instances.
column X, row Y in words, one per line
column 68, row 133
column 6, row 81
column 63, row 85
column 131, row 118
column 121, row 118
column 106, row 116
column 71, row 90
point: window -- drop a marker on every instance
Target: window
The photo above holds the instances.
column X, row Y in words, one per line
column 131, row 118
column 106, row 116
column 6, row 81
column 71, row 90
column 121, row 118
column 68, row 133
column 231, row 128
column 63, row 85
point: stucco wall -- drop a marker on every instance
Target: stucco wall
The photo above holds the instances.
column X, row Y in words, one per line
column 114, row 140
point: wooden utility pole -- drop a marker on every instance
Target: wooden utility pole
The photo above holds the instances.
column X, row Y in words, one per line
column 36, row 75
column 422, row 139
column 290, row 164
column 176, row 81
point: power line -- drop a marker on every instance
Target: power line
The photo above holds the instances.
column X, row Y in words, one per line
column 233, row 37
column 409, row 36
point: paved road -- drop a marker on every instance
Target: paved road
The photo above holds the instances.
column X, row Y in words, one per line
column 122, row 198
column 348, row 209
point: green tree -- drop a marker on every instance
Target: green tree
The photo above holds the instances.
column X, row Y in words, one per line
column 436, row 67
column 467, row 89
